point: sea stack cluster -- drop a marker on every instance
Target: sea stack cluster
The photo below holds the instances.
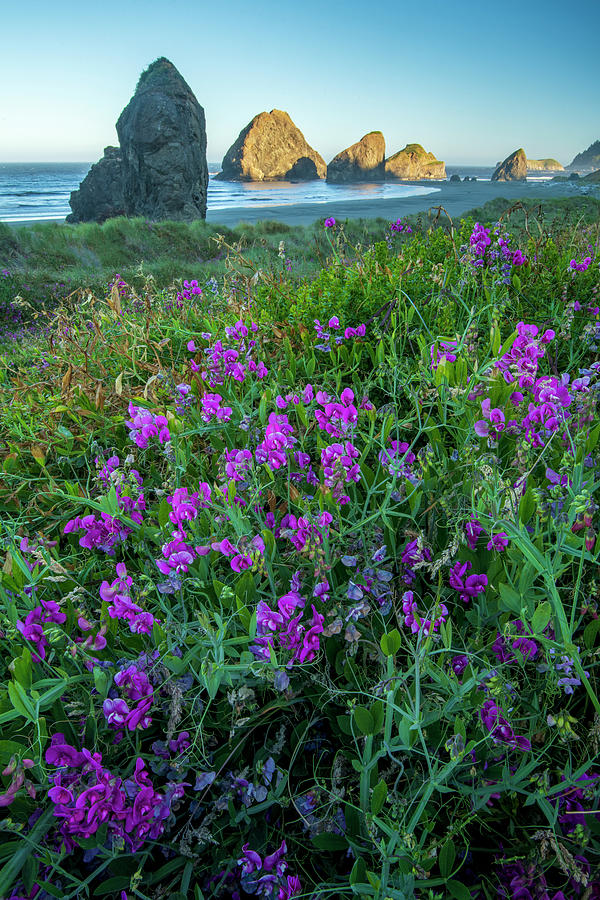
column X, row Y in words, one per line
column 159, row 169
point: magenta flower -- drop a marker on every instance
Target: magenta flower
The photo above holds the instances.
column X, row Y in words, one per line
column 144, row 425
column 329, row 223
column 498, row 542
column 473, row 529
column 469, row 586
column 492, row 717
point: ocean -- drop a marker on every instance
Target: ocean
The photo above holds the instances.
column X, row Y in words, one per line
column 40, row 191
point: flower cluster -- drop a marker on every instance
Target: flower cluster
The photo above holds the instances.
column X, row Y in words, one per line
column 284, row 628
column 87, row 796
column 497, row 255
column 565, row 666
column 505, row 647
column 102, row 533
column 127, row 485
column 522, row 359
column 493, row 720
column 264, row 877
column 136, row 685
column 468, row 586
column 582, row 266
column 224, row 361
column 190, row 289
column 211, row 408
column 32, row 628
column 398, row 460
column 305, row 535
column 306, row 396
column 16, row 772
column 442, row 351
column 414, row 555
column 336, row 418
column 121, row 606
column 145, row 425
column 400, row 226
column 340, row 467
column 418, row 622
column 325, row 337
column 277, row 440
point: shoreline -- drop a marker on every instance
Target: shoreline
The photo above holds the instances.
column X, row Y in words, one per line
column 455, row 198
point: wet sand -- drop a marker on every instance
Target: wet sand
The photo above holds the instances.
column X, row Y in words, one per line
column 456, row 198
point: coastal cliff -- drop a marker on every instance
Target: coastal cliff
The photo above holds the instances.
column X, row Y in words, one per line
column 271, row 148
column 413, row 163
column 363, row 161
column 544, row 165
column 588, row 160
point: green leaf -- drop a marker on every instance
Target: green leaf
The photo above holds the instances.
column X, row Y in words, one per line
column 387, row 427
column 21, row 702
column 101, row 682
column 391, row 643
column 592, row 440
column 21, row 668
column 163, row 512
column 344, row 724
column 496, row 339
column 112, row 885
column 363, row 719
column 378, row 797
column 510, row 598
column 10, row 872
column 377, row 710
column 327, row 841
column 590, row 633
column 541, row 617
column 262, row 410
column 458, row 890
column 446, row 858
column 358, row 875
column 9, row 749
column 527, row 506
column 301, row 413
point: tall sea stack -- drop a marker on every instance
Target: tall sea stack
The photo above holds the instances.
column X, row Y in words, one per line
column 513, row 168
column 160, row 169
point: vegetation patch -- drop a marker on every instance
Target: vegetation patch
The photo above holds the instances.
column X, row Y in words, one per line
column 299, row 567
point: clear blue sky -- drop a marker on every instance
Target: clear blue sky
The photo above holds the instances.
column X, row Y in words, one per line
column 470, row 81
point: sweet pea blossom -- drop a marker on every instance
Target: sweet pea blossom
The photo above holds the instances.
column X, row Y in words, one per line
column 144, row 425
column 417, row 622
column 468, row 586
column 492, row 718
column 132, row 810
column 498, row 542
column 340, row 467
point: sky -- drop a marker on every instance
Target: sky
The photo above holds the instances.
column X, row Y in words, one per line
column 470, row 81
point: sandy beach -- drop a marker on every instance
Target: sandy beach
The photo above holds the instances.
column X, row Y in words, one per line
column 455, row 198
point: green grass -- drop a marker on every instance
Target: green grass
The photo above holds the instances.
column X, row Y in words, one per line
column 89, row 255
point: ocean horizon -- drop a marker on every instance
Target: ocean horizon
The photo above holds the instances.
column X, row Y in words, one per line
column 40, row 191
